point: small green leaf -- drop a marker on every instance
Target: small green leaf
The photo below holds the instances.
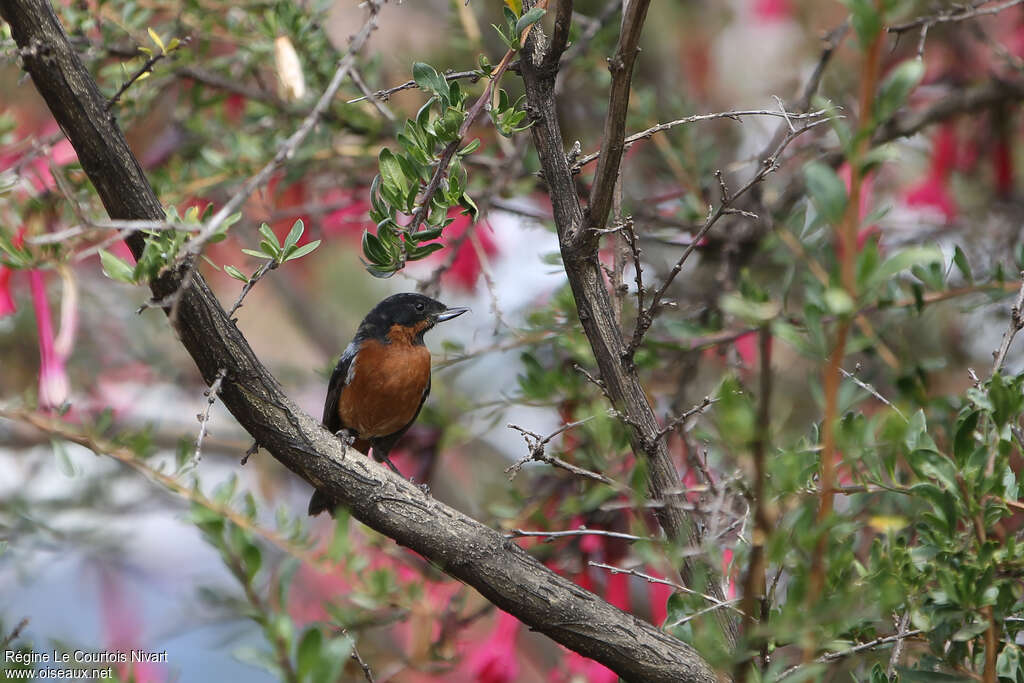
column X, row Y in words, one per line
column 253, row 252
column 115, row 268
column 294, row 234
column 429, row 80
column 236, row 273
column 960, row 259
column 156, row 40
column 394, row 183
column 269, row 235
column 309, row 652
column 897, row 87
column 838, row 301
column 470, row 148
column 827, row 191
column 303, row 250
column 529, row 19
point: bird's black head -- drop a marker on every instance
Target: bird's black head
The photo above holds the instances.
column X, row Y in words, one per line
column 409, row 315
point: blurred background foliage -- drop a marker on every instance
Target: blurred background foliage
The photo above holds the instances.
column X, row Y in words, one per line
column 163, row 545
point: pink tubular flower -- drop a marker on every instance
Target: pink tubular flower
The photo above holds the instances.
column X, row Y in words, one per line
column 7, row 306
column 933, row 191
column 495, row 659
column 53, row 377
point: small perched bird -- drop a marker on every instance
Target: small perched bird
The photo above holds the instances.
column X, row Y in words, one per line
column 382, row 379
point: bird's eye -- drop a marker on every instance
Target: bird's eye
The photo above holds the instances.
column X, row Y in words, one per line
column 419, row 306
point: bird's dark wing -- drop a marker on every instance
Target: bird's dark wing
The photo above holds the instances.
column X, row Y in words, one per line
column 383, row 445
column 339, row 378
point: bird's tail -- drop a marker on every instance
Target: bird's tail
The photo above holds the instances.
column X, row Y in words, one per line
column 320, row 502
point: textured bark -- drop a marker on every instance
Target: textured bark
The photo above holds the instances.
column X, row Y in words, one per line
column 579, row 245
column 462, row 547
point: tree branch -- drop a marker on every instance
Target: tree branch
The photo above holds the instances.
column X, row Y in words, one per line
column 618, row 380
column 612, row 142
column 459, row 545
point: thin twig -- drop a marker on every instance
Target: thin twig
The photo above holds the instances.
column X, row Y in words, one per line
column 897, row 652
column 268, row 265
column 13, row 635
column 871, row 390
column 869, row 645
column 1016, row 324
column 695, row 410
column 614, row 131
column 145, row 69
column 204, row 417
column 386, row 93
column 665, row 582
column 959, row 14
column 550, row 536
column 367, row 672
column 357, row 78
column 537, row 444
column 734, row 115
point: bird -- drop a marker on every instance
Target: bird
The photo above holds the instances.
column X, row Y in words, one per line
column 382, row 378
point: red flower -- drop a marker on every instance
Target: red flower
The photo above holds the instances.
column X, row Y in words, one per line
column 53, row 378
column 495, row 659
column 7, row 306
column 932, row 191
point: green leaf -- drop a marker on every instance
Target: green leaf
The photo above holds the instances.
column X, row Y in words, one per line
column 270, row 236
column 115, row 268
column 529, row 19
column 838, row 301
column 393, row 178
column 252, row 252
column 470, row 148
column 308, row 652
column 236, row 273
column 827, row 191
column 303, row 250
column 866, row 20
column 155, row 37
column 374, row 250
column 416, row 253
column 897, row 87
column 960, row 259
column 294, row 234
column 253, row 560
column 908, row 258
column 429, row 80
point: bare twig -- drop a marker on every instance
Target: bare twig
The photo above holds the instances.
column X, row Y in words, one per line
column 871, row 390
column 367, row 671
column 686, row 415
column 613, row 139
column 204, row 417
column 537, row 444
column 841, row 654
column 13, row 635
column 1016, row 324
column 143, row 70
column 959, row 13
column 357, row 78
column 897, row 652
column 665, row 582
column 386, row 93
column 661, row 127
column 268, row 265
column 550, row 536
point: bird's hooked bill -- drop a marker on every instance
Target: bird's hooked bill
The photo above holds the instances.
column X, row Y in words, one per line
column 451, row 313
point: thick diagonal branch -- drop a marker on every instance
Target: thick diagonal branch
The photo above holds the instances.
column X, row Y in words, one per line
column 462, row 547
